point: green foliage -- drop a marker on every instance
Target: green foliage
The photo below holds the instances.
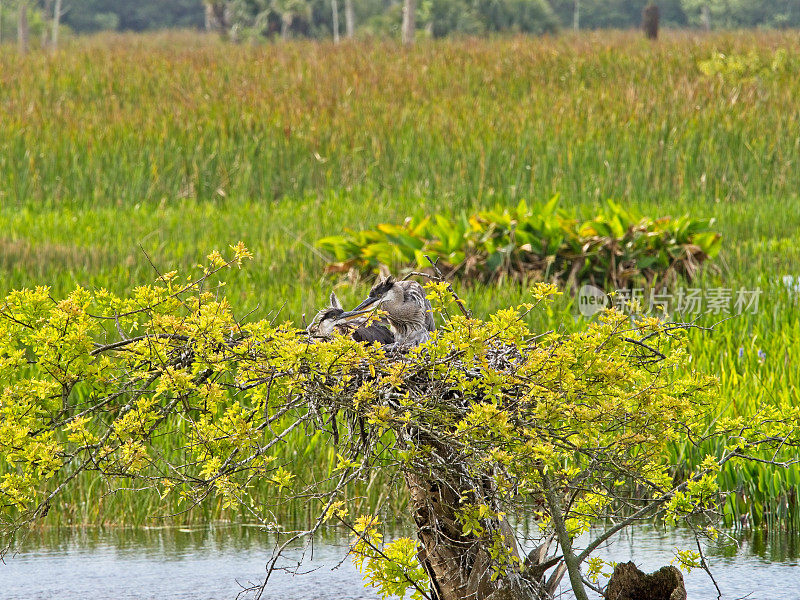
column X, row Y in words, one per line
column 445, row 17
column 616, row 14
column 529, row 16
column 738, row 68
column 94, row 15
column 229, row 146
column 442, row 17
column 439, row 17
column 9, row 13
column 731, row 14
column 391, row 568
column 616, row 249
column 92, row 382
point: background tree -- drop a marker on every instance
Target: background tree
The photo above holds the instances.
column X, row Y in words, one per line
column 620, row 14
column 384, row 17
column 708, row 13
column 217, row 17
column 57, row 14
column 528, row 16
column 10, row 21
column 23, row 31
column 650, row 17
column 94, row 15
column 409, row 27
column 335, row 14
column 349, row 19
column 444, row 17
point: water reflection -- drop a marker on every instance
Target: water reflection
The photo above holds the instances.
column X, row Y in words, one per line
column 216, row 562
column 753, row 564
column 204, row 563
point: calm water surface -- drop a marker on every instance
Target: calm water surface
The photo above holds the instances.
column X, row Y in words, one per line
column 217, row 562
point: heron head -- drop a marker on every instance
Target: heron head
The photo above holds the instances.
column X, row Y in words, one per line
column 327, row 320
column 385, row 291
column 324, row 323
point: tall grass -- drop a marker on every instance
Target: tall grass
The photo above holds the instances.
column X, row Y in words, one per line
column 173, row 145
column 117, row 121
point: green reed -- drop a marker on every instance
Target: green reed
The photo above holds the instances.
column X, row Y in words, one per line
column 122, row 150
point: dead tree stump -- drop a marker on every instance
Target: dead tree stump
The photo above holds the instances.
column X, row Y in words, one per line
column 629, row 583
column 650, row 21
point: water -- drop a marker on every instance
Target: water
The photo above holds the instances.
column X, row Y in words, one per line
column 217, row 562
column 754, row 565
column 206, row 563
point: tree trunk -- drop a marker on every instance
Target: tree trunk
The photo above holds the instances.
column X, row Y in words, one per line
column 217, row 17
column 576, row 16
column 349, row 19
column 650, row 18
column 56, row 24
column 628, row 582
column 459, row 565
column 286, row 24
column 409, row 21
column 335, row 11
column 705, row 17
column 22, row 27
column 571, row 562
column 47, row 6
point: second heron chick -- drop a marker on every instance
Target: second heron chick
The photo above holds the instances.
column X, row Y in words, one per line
column 334, row 318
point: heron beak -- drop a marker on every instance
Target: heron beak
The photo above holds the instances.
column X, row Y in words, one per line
column 364, row 306
column 352, row 315
column 360, row 311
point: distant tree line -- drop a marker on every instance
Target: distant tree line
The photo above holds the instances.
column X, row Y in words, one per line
column 136, row 15
column 709, row 14
column 241, row 19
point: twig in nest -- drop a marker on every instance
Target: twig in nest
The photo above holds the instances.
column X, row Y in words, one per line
column 440, row 277
column 645, row 346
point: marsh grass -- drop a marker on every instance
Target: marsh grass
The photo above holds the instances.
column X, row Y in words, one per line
column 122, row 149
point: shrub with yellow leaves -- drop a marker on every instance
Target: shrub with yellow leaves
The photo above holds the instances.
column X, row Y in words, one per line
column 485, row 425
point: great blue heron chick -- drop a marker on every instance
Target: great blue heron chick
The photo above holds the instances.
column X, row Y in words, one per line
column 331, row 319
column 407, row 309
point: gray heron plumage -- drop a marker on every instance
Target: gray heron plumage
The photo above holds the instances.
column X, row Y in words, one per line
column 330, row 319
column 406, row 307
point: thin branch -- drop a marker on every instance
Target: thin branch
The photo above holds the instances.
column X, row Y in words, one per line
column 706, row 568
column 645, row 346
column 467, row 313
column 646, row 510
column 122, row 343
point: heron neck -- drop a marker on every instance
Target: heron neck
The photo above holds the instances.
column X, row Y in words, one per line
column 406, row 324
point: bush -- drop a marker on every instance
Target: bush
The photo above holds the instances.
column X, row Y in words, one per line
column 616, row 249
